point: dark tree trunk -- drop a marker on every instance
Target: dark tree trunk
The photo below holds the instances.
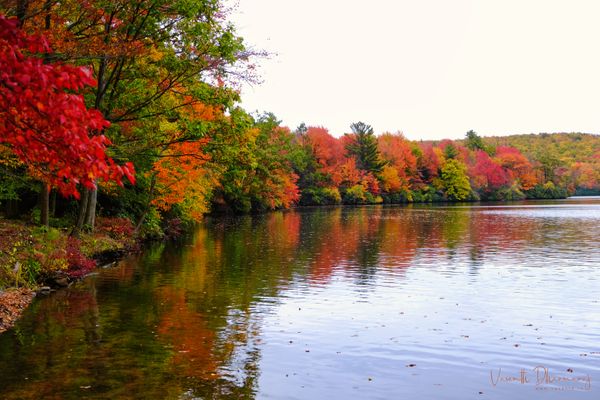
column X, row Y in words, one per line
column 53, row 203
column 45, row 205
column 22, row 6
column 83, row 204
column 12, row 209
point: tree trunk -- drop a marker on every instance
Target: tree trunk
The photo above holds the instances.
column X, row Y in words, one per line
column 45, row 205
column 90, row 214
column 83, row 204
column 147, row 209
column 53, row 203
column 12, row 209
column 22, row 6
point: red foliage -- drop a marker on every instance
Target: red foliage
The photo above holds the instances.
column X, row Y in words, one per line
column 45, row 122
column 79, row 264
column 428, row 164
column 486, row 174
column 280, row 189
column 117, row 228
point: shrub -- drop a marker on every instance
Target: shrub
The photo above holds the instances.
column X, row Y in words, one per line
column 79, row 264
column 547, row 191
column 403, row 196
column 116, row 228
column 355, row 195
column 320, row 196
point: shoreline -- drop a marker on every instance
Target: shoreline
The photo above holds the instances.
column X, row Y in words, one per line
column 56, row 259
column 15, row 300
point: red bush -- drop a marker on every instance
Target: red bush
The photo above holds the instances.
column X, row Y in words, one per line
column 79, row 264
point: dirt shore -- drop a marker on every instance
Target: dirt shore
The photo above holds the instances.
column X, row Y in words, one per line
column 12, row 303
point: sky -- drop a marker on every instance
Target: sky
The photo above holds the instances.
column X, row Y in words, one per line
column 431, row 69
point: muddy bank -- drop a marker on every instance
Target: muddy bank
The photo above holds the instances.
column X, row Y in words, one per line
column 12, row 303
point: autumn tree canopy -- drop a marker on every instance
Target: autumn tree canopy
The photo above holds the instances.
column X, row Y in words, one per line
column 44, row 118
column 88, row 90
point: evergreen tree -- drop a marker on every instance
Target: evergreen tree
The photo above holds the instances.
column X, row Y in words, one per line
column 363, row 147
column 450, row 151
column 474, row 142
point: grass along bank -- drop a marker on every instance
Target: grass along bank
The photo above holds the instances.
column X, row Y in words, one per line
column 35, row 257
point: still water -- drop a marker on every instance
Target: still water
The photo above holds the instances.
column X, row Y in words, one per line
column 416, row 302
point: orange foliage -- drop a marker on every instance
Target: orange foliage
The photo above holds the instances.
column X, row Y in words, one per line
column 280, row 189
column 346, row 174
column 390, row 181
column 98, row 31
column 328, row 151
column 370, row 183
column 586, row 175
column 518, row 166
column 397, row 150
column 402, row 162
column 180, row 175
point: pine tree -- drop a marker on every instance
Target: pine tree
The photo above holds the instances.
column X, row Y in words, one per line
column 363, row 147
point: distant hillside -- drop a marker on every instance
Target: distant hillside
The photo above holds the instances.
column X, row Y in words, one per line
column 567, row 148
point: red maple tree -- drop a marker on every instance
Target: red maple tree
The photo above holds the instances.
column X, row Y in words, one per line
column 43, row 117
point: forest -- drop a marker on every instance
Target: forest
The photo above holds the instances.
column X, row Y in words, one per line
column 124, row 116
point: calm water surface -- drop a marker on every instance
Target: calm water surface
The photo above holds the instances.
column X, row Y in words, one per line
column 421, row 302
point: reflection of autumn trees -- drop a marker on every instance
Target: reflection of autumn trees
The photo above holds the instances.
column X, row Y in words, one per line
column 187, row 332
column 260, row 255
column 337, row 239
column 187, row 317
column 399, row 237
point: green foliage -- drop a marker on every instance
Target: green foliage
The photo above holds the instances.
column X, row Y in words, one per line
column 255, row 160
column 13, row 181
column 320, row 196
column 428, row 194
column 511, row 194
column 355, row 195
column 450, row 151
column 454, row 180
column 363, row 147
column 404, row 196
column 152, row 228
column 587, row 192
column 358, row 194
column 553, row 150
column 475, row 142
column 547, row 191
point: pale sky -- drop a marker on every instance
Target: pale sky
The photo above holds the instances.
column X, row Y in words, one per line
column 429, row 68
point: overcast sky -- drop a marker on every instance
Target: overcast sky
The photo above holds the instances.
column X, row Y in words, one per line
column 429, row 68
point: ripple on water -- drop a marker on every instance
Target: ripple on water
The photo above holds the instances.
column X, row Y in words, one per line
column 425, row 302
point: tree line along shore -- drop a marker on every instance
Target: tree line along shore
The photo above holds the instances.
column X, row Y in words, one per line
column 121, row 121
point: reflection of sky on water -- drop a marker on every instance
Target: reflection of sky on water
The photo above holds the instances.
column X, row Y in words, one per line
column 370, row 302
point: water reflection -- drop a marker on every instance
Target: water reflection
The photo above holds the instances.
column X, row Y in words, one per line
column 368, row 302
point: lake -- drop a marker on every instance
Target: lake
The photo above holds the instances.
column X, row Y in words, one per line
column 482, row 301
